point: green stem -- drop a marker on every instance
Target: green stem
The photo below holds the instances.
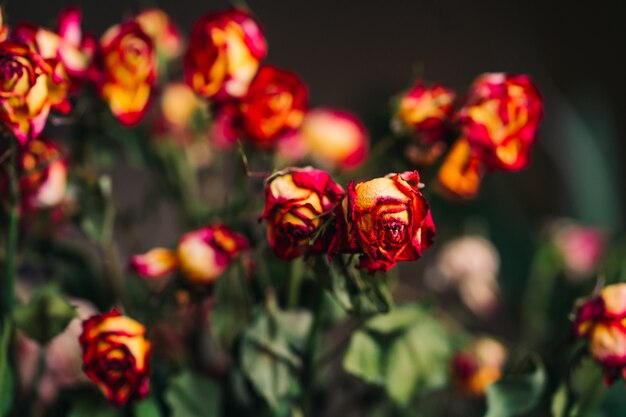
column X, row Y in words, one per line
column 8, row 285
column 295, row 283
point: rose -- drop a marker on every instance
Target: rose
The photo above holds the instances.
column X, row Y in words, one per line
column 178, row 105
column 43, row 181
column 426, row 111
column 223, row 55
column 204, row 254
column 274, row 106
column 24, row 103
column 500, row 119
column 600, row 320
column 166, row 37
column 335, row 138
column 4, row 28
column 387, row 219
column 580, row 247
column 128, row 72
column 479, row 366
column 461, row 172
column 298, row 201
column 156, row 263
column 116, row 355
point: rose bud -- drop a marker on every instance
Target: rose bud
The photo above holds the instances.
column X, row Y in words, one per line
column 600, row 320
column 580, row 248
column 479, row 366
column 178, row 104
column 298, row 201
column 388, row 219
column 274, row 106
column 223, row 55
column 461, row 172
column 335, row 138
column 129, row 71
column 43, row 181
column 115, row 356
column 204, row 254
column 500, row 119
column 24, row 103
column 165, row 36
column 426, row 111
column 156, row 263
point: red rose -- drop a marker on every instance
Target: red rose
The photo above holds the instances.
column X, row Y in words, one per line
column 115, row 356
column 297, row 203
column 500, row 119
column 387, row 219
column 275, row 105
column 224, row 53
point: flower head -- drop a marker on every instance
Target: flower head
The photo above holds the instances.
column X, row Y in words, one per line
column 479, row 366
column 461, row 172
column 43, row 181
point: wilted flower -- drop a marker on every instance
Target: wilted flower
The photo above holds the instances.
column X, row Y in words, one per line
column 204, row 254
column 129, row 71
column 156, row 263
column 224, row 53
column 471, row 264
column 461, row 172
column 388, row 219
column 178, row 104
column 4, row 28
column 116, row 356
column 334, row 138
column 500, row 119
column 274, row 106
column 479, row 366
column 600, row 320
column 43, row 181
column 24, row 101
column 426, row 111
column 580, row 247
column 165, row 36
column 297, row 203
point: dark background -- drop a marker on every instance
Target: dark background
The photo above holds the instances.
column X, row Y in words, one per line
column 358, row 54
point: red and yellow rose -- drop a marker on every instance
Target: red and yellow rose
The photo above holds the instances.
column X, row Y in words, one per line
column 156, row 263
column 478, row 366
column 602, row 321
column 426, row 111
column 275, row 105
column 204, row 254
column 43, row 180
column 461, row 173
column 116, row 356
column 224, row 53
column 297, row 203
column 387, row 219
column 165, row 36
column 24, row 94
column 500, row 119
column 128, row 71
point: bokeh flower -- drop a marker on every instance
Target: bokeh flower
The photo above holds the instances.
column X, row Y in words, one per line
column 580, row 247
column 298, row 202
column 178, row 105
column 500, row 119
column 478, row 366
column 165, row 36
column 156, row 263
column 116, row 356
column 224, row 53
column 461, row 172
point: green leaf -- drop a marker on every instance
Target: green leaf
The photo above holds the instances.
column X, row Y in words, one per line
column 231, row 311
column 268, row 361
column 417, row 361
column 146, row 408
column 396, row 320
column 192, row 395
column 45, row 316
column 7, row 385
column 559, row 401
column 364, row 358
column 92, row 406
column 513, row 395
column 295, row 326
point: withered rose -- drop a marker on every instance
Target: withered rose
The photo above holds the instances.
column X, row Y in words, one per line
column 462, row 170
column 500, row 119
column 24, row 96
column 223, row 55
column 426, row 111
column 155, row 263
column 43, row 181
column 204, row 254
column 388, row 219
column 116, row 355
column 297, row 203
column 275, row 105
column 601, row 320
column 129, row 71
column 165, row 36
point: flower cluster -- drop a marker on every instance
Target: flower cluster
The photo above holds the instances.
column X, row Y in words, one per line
column 494, row 129
column 385, row 219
